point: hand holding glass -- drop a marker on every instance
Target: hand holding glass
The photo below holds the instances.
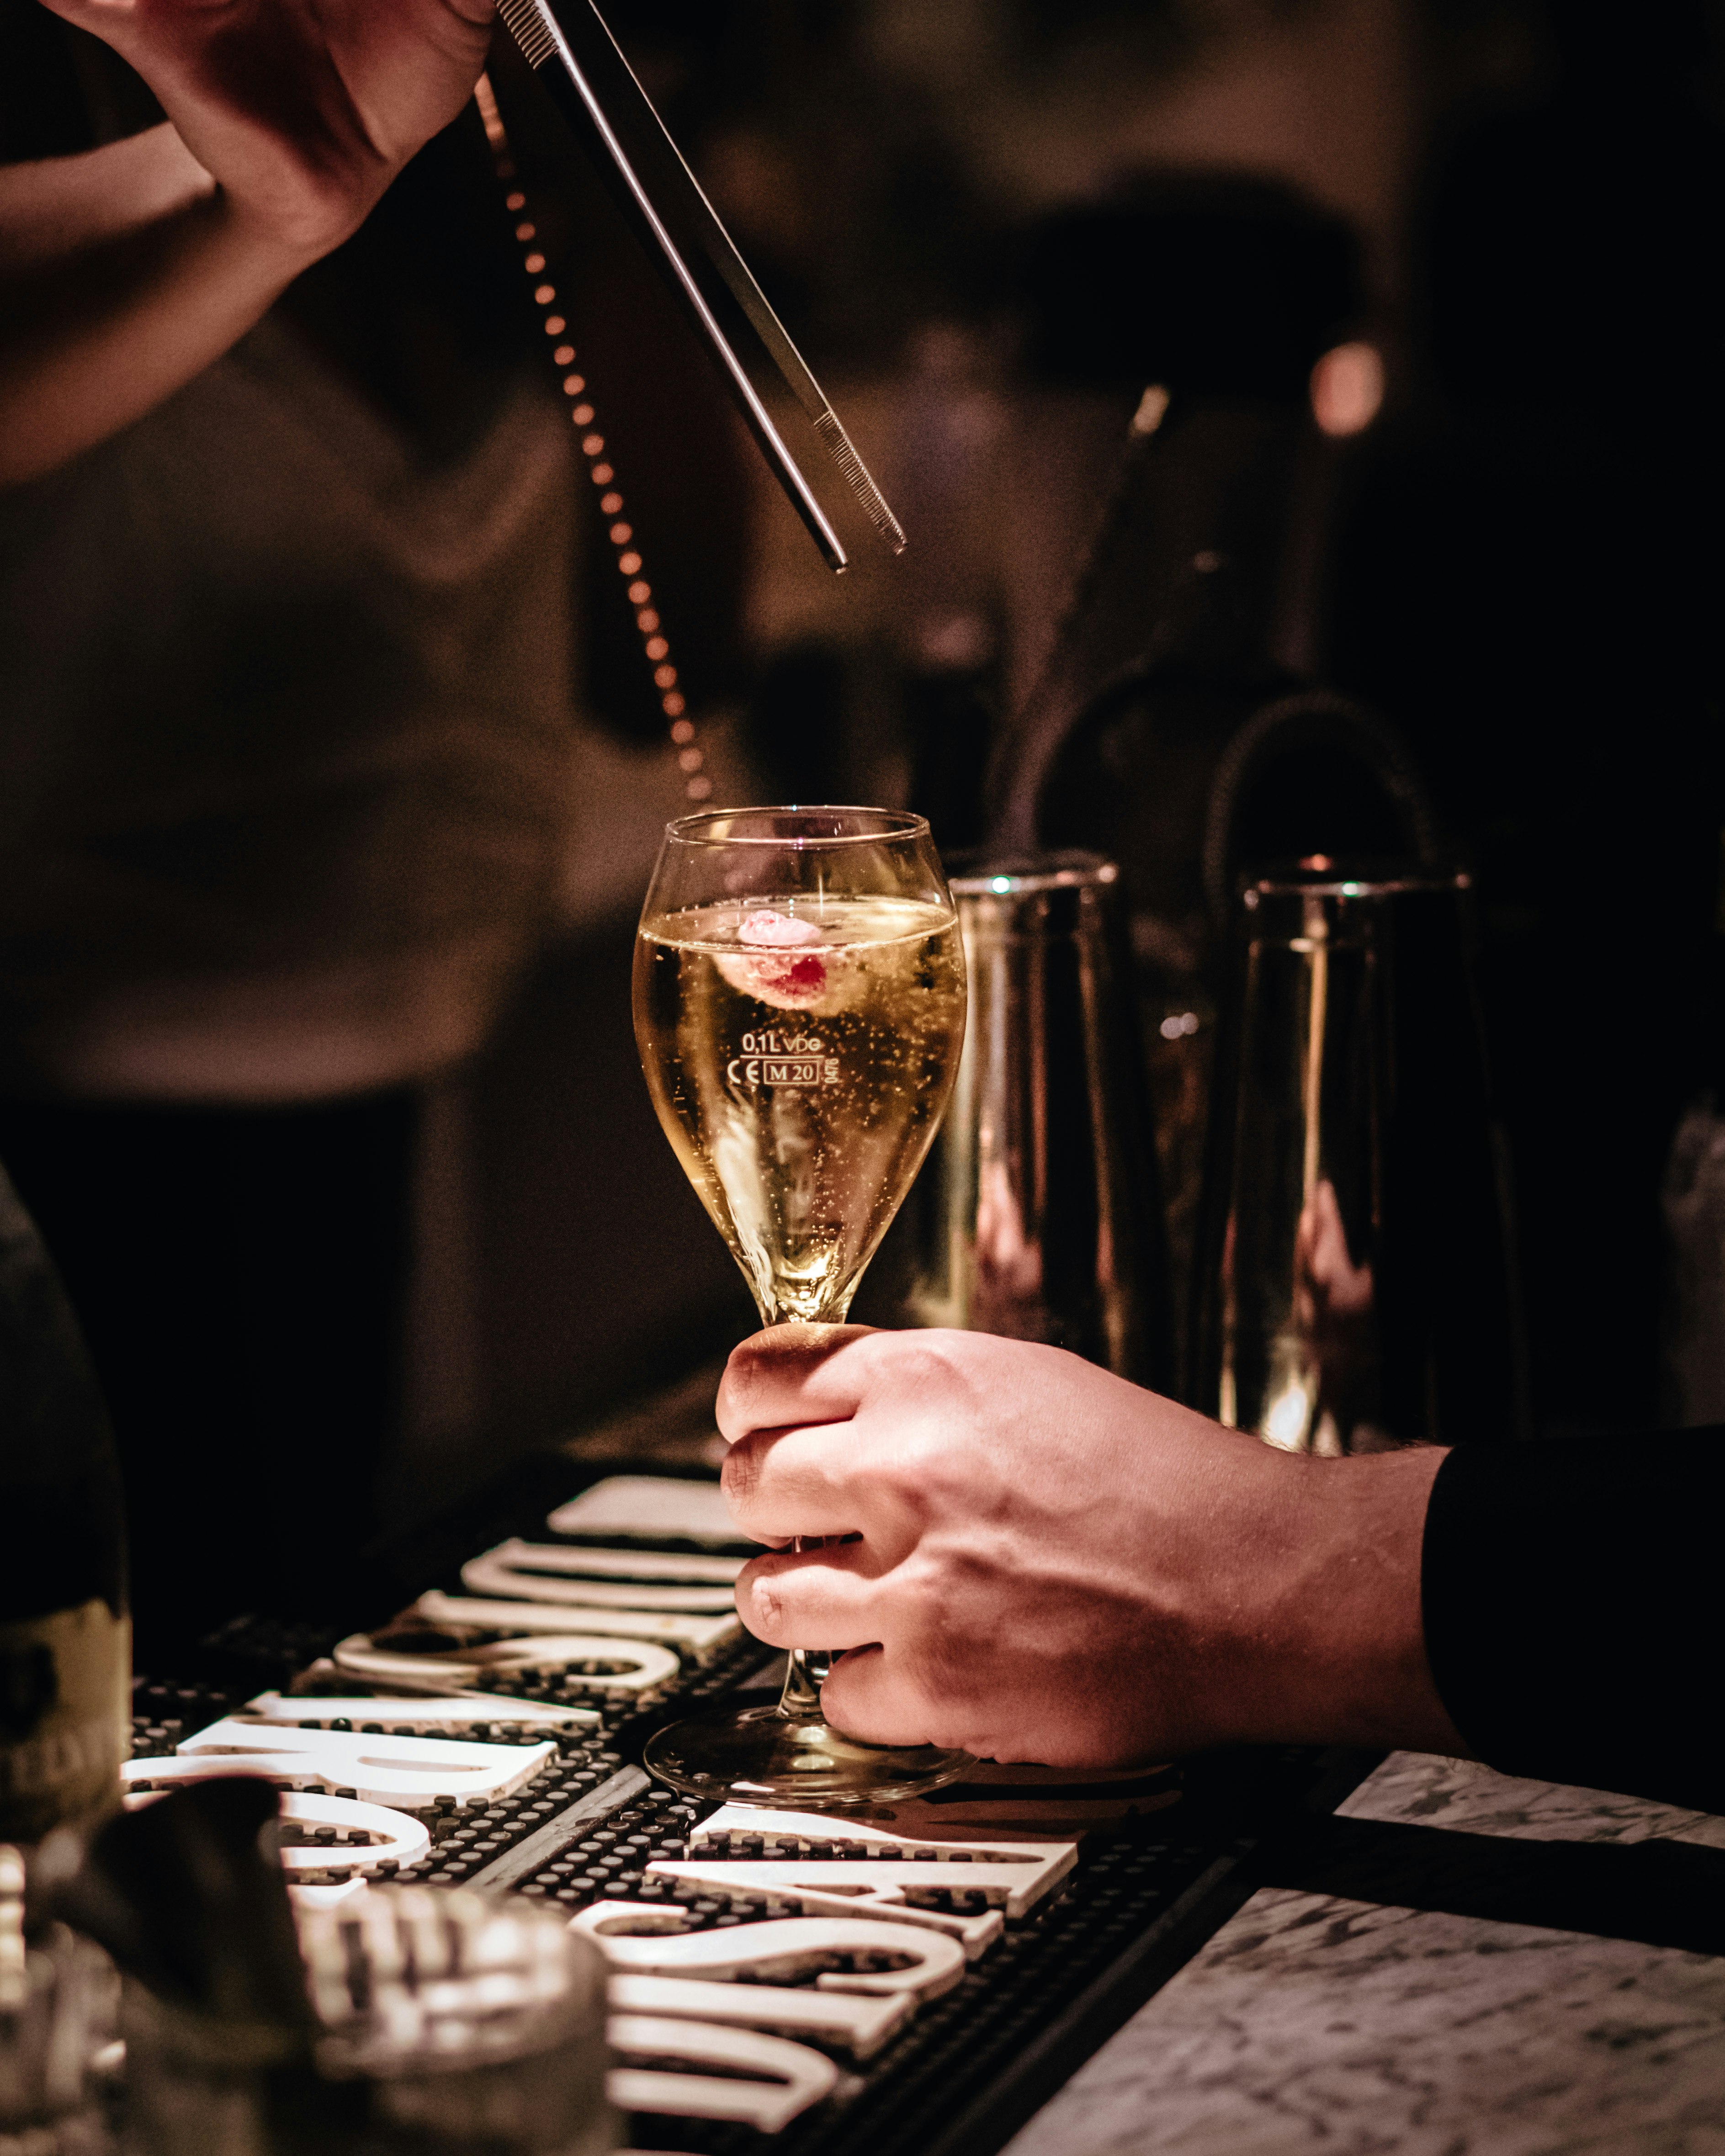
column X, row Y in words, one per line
column 800, row 1009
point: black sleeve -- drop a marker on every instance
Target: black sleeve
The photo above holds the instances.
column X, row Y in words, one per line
column 1571, row 1598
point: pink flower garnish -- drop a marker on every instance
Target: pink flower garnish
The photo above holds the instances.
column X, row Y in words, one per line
column 770, row 928
column 785, row 982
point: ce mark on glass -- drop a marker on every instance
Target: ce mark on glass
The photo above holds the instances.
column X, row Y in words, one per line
column 760, row 1069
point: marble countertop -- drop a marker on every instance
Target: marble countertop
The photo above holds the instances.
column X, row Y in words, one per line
column 1416, row 1995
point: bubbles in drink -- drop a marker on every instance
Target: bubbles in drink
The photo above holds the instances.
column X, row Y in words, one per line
column 799, row 1053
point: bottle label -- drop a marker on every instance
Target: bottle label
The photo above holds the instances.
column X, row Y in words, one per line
column 65, row 1718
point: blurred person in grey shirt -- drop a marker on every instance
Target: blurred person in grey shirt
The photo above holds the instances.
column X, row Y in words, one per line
column 285, row 537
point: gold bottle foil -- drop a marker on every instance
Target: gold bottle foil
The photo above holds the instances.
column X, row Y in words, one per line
column 65, row 1718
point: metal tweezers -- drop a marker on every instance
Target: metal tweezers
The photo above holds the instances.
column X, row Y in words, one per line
column 578, row 62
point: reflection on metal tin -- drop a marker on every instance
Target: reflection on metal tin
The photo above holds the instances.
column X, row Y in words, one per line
column 1353, row 1287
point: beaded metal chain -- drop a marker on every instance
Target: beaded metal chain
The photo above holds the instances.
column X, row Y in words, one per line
column 655, row 645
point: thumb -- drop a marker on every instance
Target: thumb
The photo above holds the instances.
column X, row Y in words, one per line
column 870, row 1695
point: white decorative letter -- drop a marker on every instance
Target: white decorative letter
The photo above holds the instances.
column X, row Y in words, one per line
column 1013, row 1876
column 386, row 1836
column 505, row 1721
column 551, row 1572
column 799, row 2077
column 656, row 1508
column 635, row 1666
column 842, row 1953
column 875, row 1890
column 405, row 1772
column 855, row 2026
column 702, row 1636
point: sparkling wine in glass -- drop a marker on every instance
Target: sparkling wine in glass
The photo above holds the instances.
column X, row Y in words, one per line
column 800, row 1009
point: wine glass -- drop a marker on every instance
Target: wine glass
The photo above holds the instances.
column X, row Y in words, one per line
column 800, row 1009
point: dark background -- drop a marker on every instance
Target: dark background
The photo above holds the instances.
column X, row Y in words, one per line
column 992, row 223
column 1518, row 560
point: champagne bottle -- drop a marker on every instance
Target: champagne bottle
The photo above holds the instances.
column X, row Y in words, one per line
column 65, row 1637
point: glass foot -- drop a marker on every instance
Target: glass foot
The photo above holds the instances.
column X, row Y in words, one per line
column 760, row 1756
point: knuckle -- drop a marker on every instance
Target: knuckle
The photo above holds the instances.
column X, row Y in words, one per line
column 739, row 1387
column 740, row 1477
column 926, row 1469
column 919, row 1598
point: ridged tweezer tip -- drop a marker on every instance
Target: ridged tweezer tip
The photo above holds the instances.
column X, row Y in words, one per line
column 528, row 26
column 838, row 447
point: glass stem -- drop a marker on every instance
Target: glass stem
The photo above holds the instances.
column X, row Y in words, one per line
column 806, row 1668
column 805, row 1671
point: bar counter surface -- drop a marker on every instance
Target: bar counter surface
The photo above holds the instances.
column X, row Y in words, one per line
column 1251, row 1953
column 1370, row 2025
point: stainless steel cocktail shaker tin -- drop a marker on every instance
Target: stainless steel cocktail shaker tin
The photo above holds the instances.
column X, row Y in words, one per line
column 1354, row 1287
column 1037, row 1214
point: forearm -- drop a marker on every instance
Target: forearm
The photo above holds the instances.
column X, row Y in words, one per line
column 54, row 208
column 123, row 273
